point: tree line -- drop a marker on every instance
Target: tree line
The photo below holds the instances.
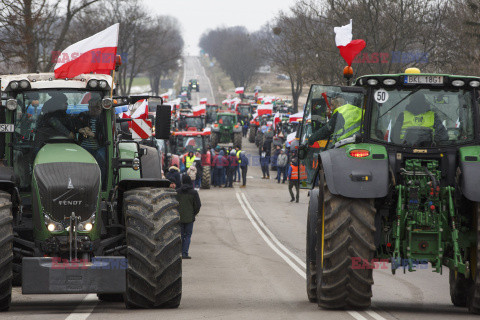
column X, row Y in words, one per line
column 440, row 36
column 32, row 31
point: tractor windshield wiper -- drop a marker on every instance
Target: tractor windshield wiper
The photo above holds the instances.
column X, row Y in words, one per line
column 396, row 104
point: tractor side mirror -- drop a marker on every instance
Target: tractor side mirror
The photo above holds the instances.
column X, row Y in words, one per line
column 162, row 122
column 302, row 151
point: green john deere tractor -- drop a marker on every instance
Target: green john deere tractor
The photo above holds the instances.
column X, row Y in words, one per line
column 83, row 210
column 402, row 189
column 226, row 129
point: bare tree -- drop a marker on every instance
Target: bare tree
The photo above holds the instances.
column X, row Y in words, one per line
column 237, row 52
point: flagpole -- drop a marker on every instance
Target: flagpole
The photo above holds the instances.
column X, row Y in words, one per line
column 113, row 83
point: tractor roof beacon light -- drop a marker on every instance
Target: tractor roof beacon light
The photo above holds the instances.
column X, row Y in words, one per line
column 348, row 73
column 412, row 71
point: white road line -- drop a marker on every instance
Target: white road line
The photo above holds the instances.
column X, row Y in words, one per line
column 356, row 315
column 267, row 240
column 209, row 83
column 272, row 236
column 271, row 240
column 83, row 311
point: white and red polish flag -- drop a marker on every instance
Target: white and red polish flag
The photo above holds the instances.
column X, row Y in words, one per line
column 388, row 132
column 94, row 54
column 276, row 120
column 349, row 48
column 265, row 109
column 203, row 101
column 239, row 90
column 199, row 110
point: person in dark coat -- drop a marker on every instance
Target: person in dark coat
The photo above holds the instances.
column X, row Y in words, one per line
column 189, row 206
column 173, row 175
column 264, row 162
column 232, row 167
column 244, row 166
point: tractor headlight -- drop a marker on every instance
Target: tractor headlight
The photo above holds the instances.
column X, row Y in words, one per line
column 53, row 226
column 107, row 103
column 87, row 225
column 14, row 85
column 24, row 84
column 102, row 84
column 136, row 164
column 93, row 83
column 11, row 104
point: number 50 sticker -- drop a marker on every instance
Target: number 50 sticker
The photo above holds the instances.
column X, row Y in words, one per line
column 381, row 96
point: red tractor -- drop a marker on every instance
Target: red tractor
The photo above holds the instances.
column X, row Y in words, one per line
column 182, row 142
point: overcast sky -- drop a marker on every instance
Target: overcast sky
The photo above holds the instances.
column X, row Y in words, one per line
column 196, row 16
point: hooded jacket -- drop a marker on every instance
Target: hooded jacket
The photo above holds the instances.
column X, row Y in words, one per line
column 173, row 175
column 188, row 200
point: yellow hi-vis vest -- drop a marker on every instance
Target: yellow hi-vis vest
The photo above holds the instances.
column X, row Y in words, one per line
column 189, row 161
column 353, row 119
column 426, row 120
column 238, row 156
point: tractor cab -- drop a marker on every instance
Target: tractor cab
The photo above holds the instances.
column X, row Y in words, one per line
column 211, row 113
column 244, row 112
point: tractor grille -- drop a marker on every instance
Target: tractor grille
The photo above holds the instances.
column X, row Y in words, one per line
column 68, row 187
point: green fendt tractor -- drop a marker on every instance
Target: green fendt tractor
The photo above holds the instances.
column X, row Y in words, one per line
column 402, row 189
column 226, row 129
column 83, row 210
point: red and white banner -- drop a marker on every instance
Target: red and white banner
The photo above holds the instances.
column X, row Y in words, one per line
column 226, row 101
column 264, row 109
column 276, row 119
column 165, row 97
column 296, row 117
column 140, row 129
column 349, row 48
column 291, row 137
column 203, row 101
column 240, row 90
column 199, row 110
column 95, row 54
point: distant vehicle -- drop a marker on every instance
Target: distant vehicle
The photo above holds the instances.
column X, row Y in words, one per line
column 282, row 77
column 187, row 91
column 194, row 85
column 258, row 89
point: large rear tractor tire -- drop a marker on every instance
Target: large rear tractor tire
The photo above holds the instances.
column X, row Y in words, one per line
column 237, row 140
column 311, row 244
column 154, row 249
column 258, row 138
column 345, row 235
column 6, row 250
column 214, row 139
column 473, row 298
column 206, row 178
column 251, row 134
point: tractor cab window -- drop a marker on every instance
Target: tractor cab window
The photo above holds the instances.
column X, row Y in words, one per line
column 45, row 114
column 194, row 122
column 185, row 144
column 226, row 120
column 422, row 117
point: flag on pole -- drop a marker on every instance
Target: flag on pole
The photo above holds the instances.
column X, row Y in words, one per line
column 388, row 132
column 94, row 54
column 265, row 109
column 203, row 101
column 349, row 48
column 199, row 110
column 276, row 120
column 239, row 90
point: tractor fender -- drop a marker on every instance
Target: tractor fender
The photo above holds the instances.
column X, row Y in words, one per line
column 469, row 180
column 353, row 177
column 237, row 130
column 151, row 163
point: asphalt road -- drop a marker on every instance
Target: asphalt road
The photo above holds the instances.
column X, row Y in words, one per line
column 248, row 252
column 192, row 69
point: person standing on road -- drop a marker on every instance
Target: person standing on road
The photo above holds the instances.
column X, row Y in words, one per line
column 264, row 162
column 293, row 181
column 282, row 162
column 217, row 165
column 232, row 168
column 244, row 167
column 199, row 167
column 189, row 206
column 236, row 176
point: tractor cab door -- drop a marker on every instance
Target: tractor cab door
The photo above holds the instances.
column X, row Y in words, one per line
column 319, row 109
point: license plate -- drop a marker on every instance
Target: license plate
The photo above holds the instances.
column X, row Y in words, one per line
column 424, row 79
column 7, row 128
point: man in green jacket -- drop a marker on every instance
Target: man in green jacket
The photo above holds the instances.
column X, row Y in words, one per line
column 189, row 206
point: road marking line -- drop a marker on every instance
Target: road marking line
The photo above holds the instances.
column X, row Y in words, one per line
column 356, row 315
column 267, row 240
column 256, row 222
column 272, row 236
column 209, row 83
column 83, row 311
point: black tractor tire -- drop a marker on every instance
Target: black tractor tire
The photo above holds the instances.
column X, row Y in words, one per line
column 251, row 134
column 110, row 297
column 154, row 248
column 259, row 138
column 215, row 137
column 237, row 140
column 6, row 250
column 459, row 288
column 348, row 233
column 206, row 178
column 473, row 299
column 311, row 260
